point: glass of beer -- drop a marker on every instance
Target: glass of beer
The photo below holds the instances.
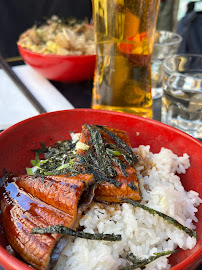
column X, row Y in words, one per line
column 124, row 34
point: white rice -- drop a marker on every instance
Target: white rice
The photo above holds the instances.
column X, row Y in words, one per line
column 142, row 233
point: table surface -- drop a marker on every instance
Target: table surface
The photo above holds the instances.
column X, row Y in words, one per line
column 79, row 95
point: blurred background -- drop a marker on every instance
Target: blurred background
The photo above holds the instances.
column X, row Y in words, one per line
column 182, row 16
column 18, row 16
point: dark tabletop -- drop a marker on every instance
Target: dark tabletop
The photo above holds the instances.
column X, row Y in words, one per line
column 79, row 95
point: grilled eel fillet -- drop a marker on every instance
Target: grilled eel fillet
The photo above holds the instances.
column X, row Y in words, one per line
column 107, row 192
column 28, row 202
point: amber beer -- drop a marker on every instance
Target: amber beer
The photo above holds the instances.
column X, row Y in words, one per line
column 124, row 33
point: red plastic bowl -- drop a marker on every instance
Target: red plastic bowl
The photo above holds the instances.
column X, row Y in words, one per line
column 69, row 68
column 15, row 155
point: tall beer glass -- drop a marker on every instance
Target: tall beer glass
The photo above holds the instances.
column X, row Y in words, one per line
column 124, row 33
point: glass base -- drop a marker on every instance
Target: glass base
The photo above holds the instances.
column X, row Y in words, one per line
column 140, row 111
column 197, row 134
column 193, row 128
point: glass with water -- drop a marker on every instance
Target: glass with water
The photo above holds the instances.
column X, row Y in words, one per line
column 165, row 44
column 182, row 93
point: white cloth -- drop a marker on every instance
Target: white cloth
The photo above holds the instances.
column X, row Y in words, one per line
column 14, row 106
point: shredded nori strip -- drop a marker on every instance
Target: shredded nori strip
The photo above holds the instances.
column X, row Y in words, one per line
column 119, row 142
column 41, row 150
column 131, row 257
column 123, row 153
column 142, row 263
column 97, row 173
column 58, row 159
column 93, row 158
column 61, row 146
column 102, row 156
column 117, row 162
column 132, row 186
column 102, row 178
column 67, row 231
column 164, row 216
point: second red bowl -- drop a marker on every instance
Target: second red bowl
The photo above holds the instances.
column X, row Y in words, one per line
column 67, row 68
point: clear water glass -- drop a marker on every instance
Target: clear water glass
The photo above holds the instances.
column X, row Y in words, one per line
column 182, row 93
column 166, row 44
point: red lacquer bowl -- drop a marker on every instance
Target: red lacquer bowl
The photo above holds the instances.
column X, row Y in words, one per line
column 15, row 155
column 69, row 68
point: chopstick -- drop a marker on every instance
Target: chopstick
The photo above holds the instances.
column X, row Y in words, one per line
column 14, row 59
column 5, row 66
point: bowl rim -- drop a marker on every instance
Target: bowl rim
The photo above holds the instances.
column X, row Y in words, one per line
column 6, row 256
column 31, row 53
column 90, row 110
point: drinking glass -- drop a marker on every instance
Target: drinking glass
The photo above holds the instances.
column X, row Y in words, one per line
column 182, row 93
column 165, row 44
column 124, row 34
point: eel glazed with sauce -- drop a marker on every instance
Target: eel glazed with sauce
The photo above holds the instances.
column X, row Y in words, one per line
column 105, row 173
